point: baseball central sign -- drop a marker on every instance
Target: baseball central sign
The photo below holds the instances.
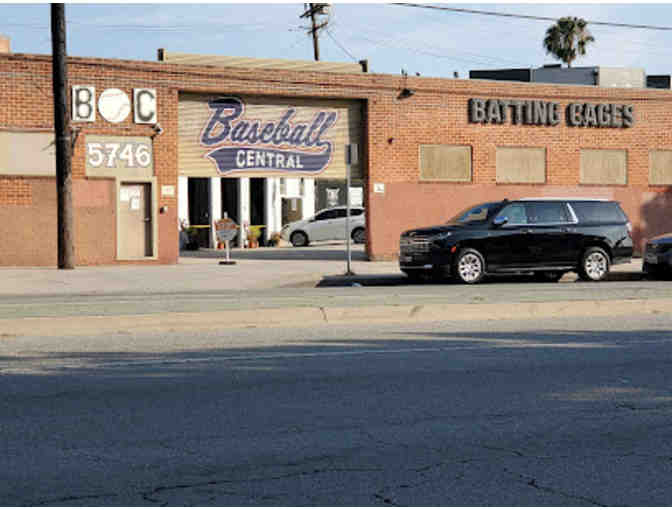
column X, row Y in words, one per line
column 279, row 145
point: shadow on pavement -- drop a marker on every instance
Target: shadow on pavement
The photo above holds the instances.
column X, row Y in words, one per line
column 383, row 280
column 327, row 251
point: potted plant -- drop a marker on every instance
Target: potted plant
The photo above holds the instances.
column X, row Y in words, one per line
column 192, row 238
column 253, row 234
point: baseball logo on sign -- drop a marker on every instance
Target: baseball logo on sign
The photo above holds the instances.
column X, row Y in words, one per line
column 114, row 105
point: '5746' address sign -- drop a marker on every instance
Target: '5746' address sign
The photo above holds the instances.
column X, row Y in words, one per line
column 111, row 156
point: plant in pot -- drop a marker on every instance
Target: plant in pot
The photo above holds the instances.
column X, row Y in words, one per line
column 192, row 236
column 253, row 234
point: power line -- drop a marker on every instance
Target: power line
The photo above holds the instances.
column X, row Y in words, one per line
column 394, row 41
column 331, row 36
column 524, row 16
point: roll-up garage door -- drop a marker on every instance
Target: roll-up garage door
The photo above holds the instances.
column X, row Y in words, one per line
column 259, row 136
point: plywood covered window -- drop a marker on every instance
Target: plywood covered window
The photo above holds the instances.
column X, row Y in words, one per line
column 521, row 165
column 445, row 163
column 27, row 153
column 604, row 166
column 660, row 167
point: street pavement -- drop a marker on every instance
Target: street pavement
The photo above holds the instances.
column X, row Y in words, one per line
column 553, row 412
column 201, row 271
column 270, row 287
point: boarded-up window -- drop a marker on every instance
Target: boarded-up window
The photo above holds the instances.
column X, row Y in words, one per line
column 25, row 153
column 521, row 165
column 604, row 166
column 445, row 163
column 660, row 167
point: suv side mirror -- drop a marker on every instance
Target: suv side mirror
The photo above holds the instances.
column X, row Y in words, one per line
column 500, row 220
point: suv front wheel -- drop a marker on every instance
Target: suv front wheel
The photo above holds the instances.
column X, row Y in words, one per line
column 469, row 266
column 594, row 265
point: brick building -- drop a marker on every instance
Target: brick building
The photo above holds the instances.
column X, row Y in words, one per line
column 428, row 148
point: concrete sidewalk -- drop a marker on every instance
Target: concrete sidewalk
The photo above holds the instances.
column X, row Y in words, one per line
column 266, row 268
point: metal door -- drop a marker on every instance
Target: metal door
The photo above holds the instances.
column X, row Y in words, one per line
column 135, row 221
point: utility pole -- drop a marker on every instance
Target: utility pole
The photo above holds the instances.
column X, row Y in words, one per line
column 66, row 252
column 313, row 10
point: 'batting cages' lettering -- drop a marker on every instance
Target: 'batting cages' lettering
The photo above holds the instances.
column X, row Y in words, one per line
column 546, row 113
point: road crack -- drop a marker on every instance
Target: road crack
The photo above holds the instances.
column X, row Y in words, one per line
column 551, row 490
column 66, row 499
column 385, row 500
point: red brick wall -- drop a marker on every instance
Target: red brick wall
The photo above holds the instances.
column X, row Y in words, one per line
column 436, row 114
column 28, row 226
column 26, row 99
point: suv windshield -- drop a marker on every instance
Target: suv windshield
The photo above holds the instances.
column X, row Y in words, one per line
column 475, row 214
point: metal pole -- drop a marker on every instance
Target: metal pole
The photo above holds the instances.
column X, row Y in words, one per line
column 316, row 42
column 66, row 252
column 348, row 160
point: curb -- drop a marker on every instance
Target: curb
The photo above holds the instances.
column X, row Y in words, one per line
column 383, row 280
column 305, row 316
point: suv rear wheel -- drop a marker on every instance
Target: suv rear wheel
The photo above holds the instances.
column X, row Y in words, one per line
column 469, row 266
column 594, row 265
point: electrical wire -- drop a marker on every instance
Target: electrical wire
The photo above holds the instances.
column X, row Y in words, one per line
column 397, row 43
column 331, row 36
column 524, row 16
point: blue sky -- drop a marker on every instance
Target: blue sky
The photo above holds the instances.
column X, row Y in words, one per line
column 391, row 37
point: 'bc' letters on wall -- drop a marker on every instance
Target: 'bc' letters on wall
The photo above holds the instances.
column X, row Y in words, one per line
column 279, row 145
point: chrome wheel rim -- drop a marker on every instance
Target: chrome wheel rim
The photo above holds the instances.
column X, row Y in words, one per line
column 596, row 266
column 299, row 239
column 470, row 267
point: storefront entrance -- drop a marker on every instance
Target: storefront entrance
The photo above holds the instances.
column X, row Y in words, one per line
column 199, row 209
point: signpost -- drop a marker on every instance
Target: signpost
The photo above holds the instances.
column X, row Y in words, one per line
column 351, row 158
column 226, row 229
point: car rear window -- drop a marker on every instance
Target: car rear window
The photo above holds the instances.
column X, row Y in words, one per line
column 599, row 212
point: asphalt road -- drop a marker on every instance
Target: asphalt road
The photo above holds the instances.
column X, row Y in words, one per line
column 549, row 412
column 501, row 292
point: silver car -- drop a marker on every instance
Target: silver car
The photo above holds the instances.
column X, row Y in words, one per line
column 326, row 225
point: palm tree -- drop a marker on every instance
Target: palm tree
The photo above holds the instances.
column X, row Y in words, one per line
column 567, row 39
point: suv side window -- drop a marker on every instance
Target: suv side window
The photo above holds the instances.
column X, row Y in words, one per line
column 356, row 212
column 599, row 212
column 547, row 213
column 341, row 213
column 515, row 213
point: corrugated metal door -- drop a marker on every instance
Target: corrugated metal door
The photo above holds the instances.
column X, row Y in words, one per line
column 195, row 115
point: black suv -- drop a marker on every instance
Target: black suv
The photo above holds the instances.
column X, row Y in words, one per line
column 546, row 237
